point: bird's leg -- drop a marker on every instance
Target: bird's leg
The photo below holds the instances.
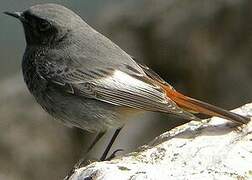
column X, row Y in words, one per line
column 105, row 153
column 82, row 160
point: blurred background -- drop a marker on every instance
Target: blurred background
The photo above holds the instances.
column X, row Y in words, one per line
column 202, row 47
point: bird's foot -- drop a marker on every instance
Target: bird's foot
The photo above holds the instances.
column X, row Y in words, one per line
column 85, row 162
column 79, row 164
column 113, row 155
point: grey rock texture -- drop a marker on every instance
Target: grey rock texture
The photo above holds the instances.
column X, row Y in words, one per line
column 211, row 149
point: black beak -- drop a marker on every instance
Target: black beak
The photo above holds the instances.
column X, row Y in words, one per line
column 13, row 14
column 17, row 15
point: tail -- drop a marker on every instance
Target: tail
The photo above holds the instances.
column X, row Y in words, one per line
column 197, row 106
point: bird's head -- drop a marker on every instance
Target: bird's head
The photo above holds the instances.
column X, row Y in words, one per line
column 47, row 24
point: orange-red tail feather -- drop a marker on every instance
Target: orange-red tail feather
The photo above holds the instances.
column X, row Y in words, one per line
column 194, row 105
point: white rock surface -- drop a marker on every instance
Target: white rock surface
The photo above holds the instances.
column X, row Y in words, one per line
column 211, row 149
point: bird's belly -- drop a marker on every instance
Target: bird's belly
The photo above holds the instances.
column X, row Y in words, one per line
column 81, row 112
column 85, row 113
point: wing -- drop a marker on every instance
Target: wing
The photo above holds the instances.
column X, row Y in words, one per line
column 121, row 85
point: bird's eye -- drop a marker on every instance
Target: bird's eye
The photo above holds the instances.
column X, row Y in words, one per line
column 44, row 26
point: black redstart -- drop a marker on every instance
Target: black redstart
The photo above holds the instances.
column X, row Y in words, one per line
column 83, row 79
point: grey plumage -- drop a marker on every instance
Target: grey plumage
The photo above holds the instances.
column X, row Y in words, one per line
column 80, row 77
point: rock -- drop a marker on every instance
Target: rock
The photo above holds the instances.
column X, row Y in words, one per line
column 212, row 149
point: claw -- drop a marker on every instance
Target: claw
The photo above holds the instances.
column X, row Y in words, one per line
column 70, row 174
column 113, row 155
column 82, row 162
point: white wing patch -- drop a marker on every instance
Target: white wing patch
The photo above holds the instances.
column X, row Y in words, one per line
column 122, row 89
column 122, row 82
column 125, row 81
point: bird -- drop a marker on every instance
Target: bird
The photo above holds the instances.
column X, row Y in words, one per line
column 83, row 79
